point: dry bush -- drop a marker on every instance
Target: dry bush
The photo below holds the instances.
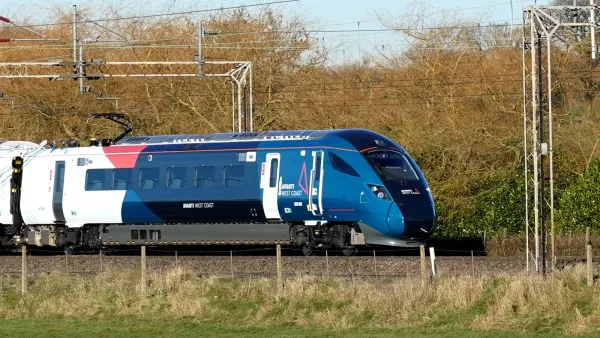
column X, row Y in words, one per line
column 565, row 245
column 561, row 302
column 452, row 97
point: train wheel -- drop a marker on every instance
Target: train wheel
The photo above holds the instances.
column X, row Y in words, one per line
column 350, row 251
column 307, row 251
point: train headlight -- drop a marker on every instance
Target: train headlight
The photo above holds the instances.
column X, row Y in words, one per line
column 379, row 191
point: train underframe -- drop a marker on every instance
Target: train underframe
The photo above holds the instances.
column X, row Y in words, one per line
column 309, row 237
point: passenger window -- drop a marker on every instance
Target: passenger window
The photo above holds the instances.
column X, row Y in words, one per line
column 148, row 178
column 233, row 176
column 143, row 234
column 121, row 179
column 273, row 177
column 155, row 234
column 134, row 234
column 176, row 177
column 205, row 177
column 340, row 165
column 94, row 180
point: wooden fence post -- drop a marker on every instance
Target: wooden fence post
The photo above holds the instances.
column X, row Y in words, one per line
column 472, row 264
column 327, row 262
column 589, row 258
column 23, row 269
column 143, row 269
column 279, row 273
column 231, row 262
column 423, row 264
column 375, row 264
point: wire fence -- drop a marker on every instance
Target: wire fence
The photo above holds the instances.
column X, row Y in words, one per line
column 262, row 262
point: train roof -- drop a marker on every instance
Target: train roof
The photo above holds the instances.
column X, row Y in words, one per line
column 227, row 137
column 360, row 138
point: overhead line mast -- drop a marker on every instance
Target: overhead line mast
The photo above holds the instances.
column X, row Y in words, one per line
column 239, row 73
column 542, row 23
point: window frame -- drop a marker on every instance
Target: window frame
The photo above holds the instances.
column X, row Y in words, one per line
column 87, row 179
column 185, row 177
column 225, row 178
column 333, row 156
column 214, row 176
column 140, row 178
column 113, row 181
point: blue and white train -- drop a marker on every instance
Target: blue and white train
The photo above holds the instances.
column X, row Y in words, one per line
column 324, row 188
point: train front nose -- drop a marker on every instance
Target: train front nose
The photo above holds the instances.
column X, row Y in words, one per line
column 412, row 215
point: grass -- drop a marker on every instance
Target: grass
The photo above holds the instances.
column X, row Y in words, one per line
column 178, row 301
column 68, row 328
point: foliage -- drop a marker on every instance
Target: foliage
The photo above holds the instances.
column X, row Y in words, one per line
column 579, row 205
column 452, row 99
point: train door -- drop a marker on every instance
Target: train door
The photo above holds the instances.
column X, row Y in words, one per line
column 57, row 194
column 315, row 200
column 271, row 186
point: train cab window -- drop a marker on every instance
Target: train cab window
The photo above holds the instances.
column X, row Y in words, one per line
column 273, row 175
column 143, row 234
column 94, row 180
column 205, row 177
column 176, row 177
column 121, row 179
column 392, row 165
column 233, row 176
column 148, row 178
column 340, row 165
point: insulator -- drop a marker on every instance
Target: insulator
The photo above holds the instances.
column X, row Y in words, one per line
column 7, row 20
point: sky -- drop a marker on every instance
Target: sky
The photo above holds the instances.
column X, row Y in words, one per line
column 331, row 15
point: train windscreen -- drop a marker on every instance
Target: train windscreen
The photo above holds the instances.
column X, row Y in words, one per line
column 391, row 165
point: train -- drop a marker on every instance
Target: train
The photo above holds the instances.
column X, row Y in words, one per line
column 311, row 189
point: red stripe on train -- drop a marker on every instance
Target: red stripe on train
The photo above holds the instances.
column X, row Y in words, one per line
column 123, row 156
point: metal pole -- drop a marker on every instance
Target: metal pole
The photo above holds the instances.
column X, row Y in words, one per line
column 593, row 28
column 250, row 94
column 75, row 69
column 246, row 113
column 81, row 88
column 200, row 54
column 232, row 106
column 239, row 102
column 535, row 142
column 541, row 142
column 526, row 155
column 550, row 149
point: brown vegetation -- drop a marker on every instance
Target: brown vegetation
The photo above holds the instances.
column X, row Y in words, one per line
column 524, row 303
column 452, row 97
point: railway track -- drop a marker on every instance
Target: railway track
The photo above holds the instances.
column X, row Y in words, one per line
column 264, row 266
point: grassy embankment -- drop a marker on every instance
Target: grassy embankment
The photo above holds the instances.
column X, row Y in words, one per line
column 180, row 304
